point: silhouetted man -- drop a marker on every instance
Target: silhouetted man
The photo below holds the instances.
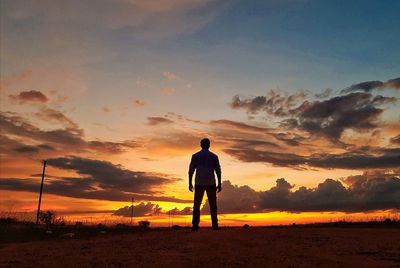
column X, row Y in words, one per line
column 205, row 163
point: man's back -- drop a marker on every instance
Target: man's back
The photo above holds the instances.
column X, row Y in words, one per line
column 205, row 163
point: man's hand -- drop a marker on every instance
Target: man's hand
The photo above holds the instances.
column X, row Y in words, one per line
column 191, row 187
column 219, row 188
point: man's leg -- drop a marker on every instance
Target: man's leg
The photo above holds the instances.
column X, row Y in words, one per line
column 212, row 200
column 198, row 197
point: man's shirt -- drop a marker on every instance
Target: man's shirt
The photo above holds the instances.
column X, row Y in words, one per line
column 205, row 163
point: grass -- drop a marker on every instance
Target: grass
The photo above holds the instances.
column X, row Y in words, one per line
column 12, row 230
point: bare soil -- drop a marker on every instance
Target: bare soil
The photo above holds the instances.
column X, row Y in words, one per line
column 229, row 247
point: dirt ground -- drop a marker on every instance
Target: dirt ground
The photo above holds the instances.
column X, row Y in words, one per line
column 230, row 247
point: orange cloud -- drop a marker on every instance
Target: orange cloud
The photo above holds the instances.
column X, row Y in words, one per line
column 170, row 76
column 168, row 90
column 138, row 103
column 29, row 96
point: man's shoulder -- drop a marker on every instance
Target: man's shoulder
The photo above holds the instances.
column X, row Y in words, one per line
column 196, row 154
column 204, row 152
column 214, row 155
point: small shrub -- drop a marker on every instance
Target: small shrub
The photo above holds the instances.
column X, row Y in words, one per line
column 144, row 224
column 387, row 221
column 49, row 218
column 7, row 221
column 176, row 227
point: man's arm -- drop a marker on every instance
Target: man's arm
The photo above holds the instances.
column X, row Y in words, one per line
column 218, row 172
column 192, row 167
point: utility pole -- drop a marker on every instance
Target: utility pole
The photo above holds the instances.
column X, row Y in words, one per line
column 41, row 191
column 132, row 211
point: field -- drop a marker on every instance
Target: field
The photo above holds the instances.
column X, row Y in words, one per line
column 292, row 246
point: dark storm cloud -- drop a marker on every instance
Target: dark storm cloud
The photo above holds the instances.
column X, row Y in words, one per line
column 33, row 148
column 372, row 85
column 29, row 96
column 388, row 158
column 395, row 140
column 236, row 199
column 184, row 211
column 274, row 103
column 27, row 149
column 245, row 143
column 100, row 180
column 80, row 188
column 69, row 139
column 393, row 83
column 331, row 117
column 367, row 192
column 10, row 146
column 150, row 209
column 153, row 121
column 364, row 86
column 54, row 116
column 324, row 93
column 112, row 147
column 277, row 159
column 239, row 126
column 16, row 125
column 140, row 210
column 329, row 195
column 108, row 175
column 289, row 138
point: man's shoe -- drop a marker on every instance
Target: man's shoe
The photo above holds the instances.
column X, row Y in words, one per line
column 216, row 228
column 195, row 228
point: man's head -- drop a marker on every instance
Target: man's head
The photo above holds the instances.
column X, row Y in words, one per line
column 205, row 143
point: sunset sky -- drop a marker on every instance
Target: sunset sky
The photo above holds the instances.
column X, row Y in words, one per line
column 299, row 98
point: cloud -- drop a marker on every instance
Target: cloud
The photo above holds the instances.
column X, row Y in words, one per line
column 13, row 124
column 109, row 175
column 29, row 96
column 327, row 131
column 364, row 86
column 138, row 103
column 236, row 199
column 324, row 94
column 383, row 158
column 184, row 211
column 373, row 85
column 33, row 149
column 55, row 116
column 168, row 90
column 393, row 83
column 291, row 139
column 97, row 179
column 140, row 210
column 357, row 111
column 367, row 192
column 68, row 139
column 112, row 147
column 395, row 140
column 170, row 76
column 274, row 103
column 154, row 121
column 150, row 209
column 140, row 18
column 239, row 126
